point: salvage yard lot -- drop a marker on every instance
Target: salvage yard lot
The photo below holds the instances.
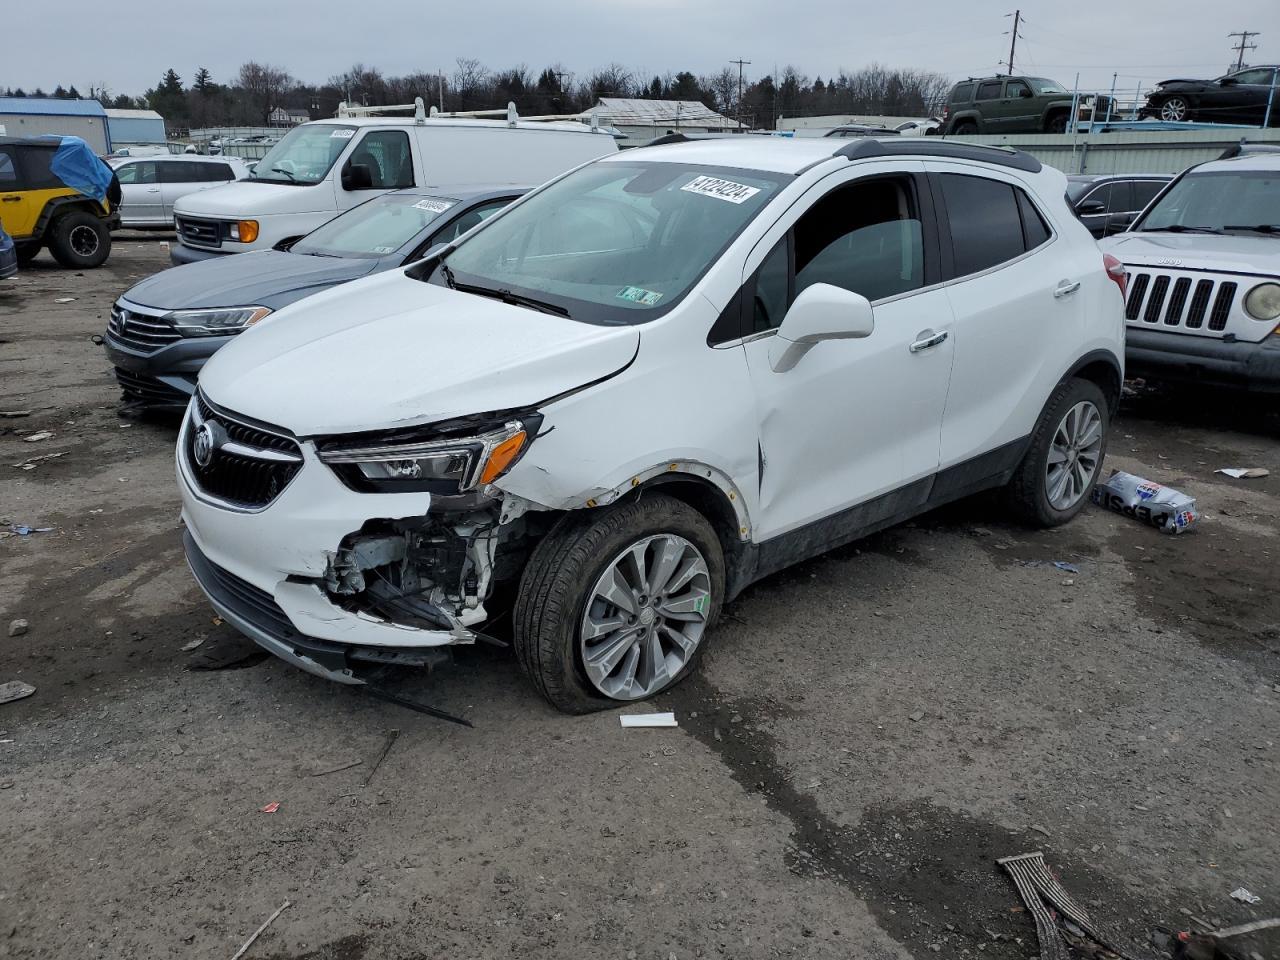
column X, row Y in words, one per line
column 868, row 731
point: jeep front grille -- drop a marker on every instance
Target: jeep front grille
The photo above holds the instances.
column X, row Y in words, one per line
column 1169, row 299
column 248, row 466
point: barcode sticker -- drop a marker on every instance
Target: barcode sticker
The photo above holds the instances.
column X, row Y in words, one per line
column 721, row 189
column 344, row 133
column 433, row 206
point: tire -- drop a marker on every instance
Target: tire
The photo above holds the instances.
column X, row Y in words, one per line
column 1175, row 108
column 965, row 128
column 26, row 251
column 1030, row 492
column 558, row 595
column 79, row 239
column 1057, row 123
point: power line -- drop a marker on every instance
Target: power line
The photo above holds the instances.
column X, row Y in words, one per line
column 1243, row 45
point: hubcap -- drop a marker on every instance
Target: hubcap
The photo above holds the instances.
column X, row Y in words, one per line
column 84, row 240
column 645, row 617
column 1175, row 109
column 1074, row 456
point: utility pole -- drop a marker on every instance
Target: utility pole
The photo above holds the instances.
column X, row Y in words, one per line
column 1013, row 36
column 1243, row 45
column 559, row 75
column 741, row 64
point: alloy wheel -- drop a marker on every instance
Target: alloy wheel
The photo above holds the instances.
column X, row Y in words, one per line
column 1074, row 456
column 84, row 240
column 645, row 617
column 1174, row 109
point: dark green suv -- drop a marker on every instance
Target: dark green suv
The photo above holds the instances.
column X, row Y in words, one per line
column 1013, row 105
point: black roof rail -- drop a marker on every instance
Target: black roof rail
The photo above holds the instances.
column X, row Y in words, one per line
column 668, row 138
column 936, row 147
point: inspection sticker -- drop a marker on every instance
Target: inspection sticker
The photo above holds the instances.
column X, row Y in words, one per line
column 433, row 206
column 342, row 134
column 646, row 298
column 721, row 189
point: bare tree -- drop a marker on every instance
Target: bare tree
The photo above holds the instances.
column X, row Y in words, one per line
column 264, row 86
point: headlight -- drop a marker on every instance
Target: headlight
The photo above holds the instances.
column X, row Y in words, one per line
column 217, row 321
column 243, row 231
column 1263, row 301
column 446, row 466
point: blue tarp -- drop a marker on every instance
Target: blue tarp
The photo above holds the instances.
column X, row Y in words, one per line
column 76, row 165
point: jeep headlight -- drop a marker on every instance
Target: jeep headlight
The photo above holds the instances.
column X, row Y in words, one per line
column 446, row 466
column 1263, row 302
column 216, row 321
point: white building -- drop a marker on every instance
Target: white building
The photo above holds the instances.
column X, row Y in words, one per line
column 642, row 120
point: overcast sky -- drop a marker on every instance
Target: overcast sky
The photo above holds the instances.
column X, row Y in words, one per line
column 129, row 44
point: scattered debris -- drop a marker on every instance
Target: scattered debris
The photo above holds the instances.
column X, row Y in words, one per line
column 648, row 720
column 382, row 755
column 41, row 435
column 23, row 530
column 1039, row 829
column 14, row 413
column 30, row 462
column 1244, row 896
column 15, row 690
column 65, row 300
column 1166, row 509
column 257, row 933
column 1066, row 567
column 916, row 717
column 342, row 766
column 188, row 647
column 18, row 627
column 271, row 807
column 1244, row 473
column 1252, row 927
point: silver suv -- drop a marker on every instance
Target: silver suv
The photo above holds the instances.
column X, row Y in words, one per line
column 1204, row 277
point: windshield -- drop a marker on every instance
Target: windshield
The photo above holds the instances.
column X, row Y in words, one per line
column 1046, row 86
column 1213, row 201
column 614, row 242
column 376, row 228
column 305, row 154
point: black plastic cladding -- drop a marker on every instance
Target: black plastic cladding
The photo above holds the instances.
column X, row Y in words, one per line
column 866, row 149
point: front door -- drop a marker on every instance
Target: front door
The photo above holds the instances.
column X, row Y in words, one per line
column 850, row 434
column 386, row 157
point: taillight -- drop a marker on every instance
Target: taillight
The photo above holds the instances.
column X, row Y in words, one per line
column 946, row 113
column 1115, row 270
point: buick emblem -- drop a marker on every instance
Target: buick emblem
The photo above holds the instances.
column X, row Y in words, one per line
column 202, row 446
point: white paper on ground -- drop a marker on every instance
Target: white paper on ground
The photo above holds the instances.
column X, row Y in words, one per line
column 649, row 720
column 1241, row 473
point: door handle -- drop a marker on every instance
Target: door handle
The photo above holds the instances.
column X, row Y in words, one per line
column 1065, row 288
column 9, row 199
column 927, row 339
column 153, row 190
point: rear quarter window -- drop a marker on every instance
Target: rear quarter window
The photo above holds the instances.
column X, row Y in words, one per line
column 963, row 93
column 991, row 222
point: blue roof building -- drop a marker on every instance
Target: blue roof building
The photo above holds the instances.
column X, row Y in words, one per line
column 37, row 116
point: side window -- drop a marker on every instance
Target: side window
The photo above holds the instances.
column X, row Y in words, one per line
column 1144, row 191
column 1100, row 195
column 772, row 288
column 215, row 172
column 137, row 173
column 990, row 90
column 1034, row 230
column 1015, row 88
column 8, row 170
column 963, row 93
column 1121, row 197
column 1254, row 76
column 986, row 228
column 175, row 171
column 386, row 154
column 471, row 218
column 37, row 173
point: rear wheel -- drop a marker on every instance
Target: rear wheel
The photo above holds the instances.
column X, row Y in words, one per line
column 614, row 607
column 79, row 239
column 965, row 128
column 1057, row 123
column 1175, row 109
column 26, row 251
column 1060, row 468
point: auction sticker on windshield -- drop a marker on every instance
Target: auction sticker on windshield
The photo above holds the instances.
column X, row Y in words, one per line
column 646, row 298
column 342, row 134
column 433, row 206
column 721, row 189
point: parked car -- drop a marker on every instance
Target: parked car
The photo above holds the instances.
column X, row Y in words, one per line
column 150, row 186
column 1204, row 276
column 851, row 131
column 8, row 255
column 649, row 383
column 163, row 329
column 1107, row 203
column 55, row 192
column 1013, row 105
column 321, row 168
column 918, row 128
column 1237, row 97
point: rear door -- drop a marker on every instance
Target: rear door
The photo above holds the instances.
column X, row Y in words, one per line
column 141, row 201
column 987, row 99
column 1245, row 101
column 181, row 177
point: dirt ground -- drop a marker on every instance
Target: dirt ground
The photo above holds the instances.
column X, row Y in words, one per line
column 869, row 731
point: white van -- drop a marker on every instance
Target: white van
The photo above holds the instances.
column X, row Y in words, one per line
column 324, row 167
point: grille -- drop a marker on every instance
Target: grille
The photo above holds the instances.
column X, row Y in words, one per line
column 1180, row 301
column 249, row 466
column 144, row 332
column 143, row 389
column 239, row 596
column 200, row 233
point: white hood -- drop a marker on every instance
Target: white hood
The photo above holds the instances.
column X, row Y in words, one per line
column 243, row 199
column 1229, row 253
column 389, row 351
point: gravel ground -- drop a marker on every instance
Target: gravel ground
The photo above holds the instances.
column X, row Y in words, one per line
column 869, row 731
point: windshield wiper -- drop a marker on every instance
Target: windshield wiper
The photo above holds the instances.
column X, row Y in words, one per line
column 1255, row 228
column 447, row 273
column 287, row 173
column 1180, row 228
column 515, row 299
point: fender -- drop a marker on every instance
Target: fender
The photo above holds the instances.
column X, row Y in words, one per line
column 1110, row 359
column 60, row 205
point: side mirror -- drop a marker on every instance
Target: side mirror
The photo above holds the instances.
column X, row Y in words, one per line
column 821, row 312
column 356, row 176
column 1117, row 222
column 1228, row 82
column 1091, row 208
column 1026, row 93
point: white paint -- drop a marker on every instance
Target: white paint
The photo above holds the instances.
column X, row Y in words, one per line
column 648, row 720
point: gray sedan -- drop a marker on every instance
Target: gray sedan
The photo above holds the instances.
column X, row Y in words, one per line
column 163, row 329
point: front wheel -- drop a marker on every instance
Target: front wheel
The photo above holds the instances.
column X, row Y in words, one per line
column 1062, row 464
column 79, row 239
column 615, row 606
column 1175, row 109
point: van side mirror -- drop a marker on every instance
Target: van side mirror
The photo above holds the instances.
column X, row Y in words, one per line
column 1091, row 208
column 356, row 176
column 821, row 312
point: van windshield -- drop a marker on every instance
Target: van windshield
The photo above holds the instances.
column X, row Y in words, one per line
column 375, row 228
column 305, row 154
column 1214, row 202
column 613, row 242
